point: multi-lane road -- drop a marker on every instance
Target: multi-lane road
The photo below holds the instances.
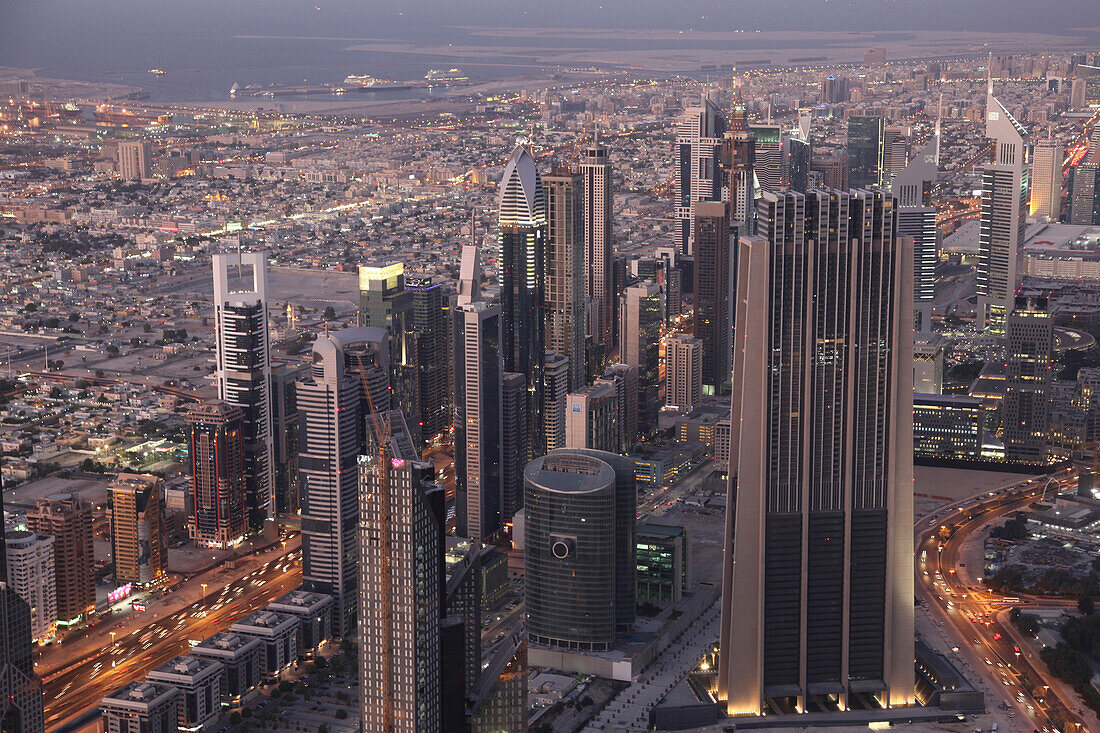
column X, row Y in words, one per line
column 72, row 690
column 970, row 613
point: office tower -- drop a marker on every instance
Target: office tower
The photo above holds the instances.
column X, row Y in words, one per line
column 199, row 681
column 243, row 356
column 31, row 575
column 831, row 169
column 501, row 696
column 522, row 225
column 834, row 89
column 948, row 426
column 1077, row 94
column 240, row 659
column 797, row 160
column 479, row 372
column 401, row 514
column 592, row 418
column 579, row 549
column 684, row 357
column 68, row 519
column 331, row 414
column 1029, row 355
column 895, row 152
column 430, row 322
column 1085, row 197
column 278, row 632
column 215, row 441
column 513, row 443
column 698, row 153
column 673, row 282
column 641, row 327
column 284, row 437
column 865, row 144
column 565, row 269
column 135, row 160
column 625, row 379
column 385, row 303
column 142, row 706
column 1003, row 215
column 658, row 270
column 664, row 570
column 463, row 601
column 314, row 612
column 768, row 163
column 713, row 300
column 597, row 202
column 822, row 444
column 1046, row 179
column 916, row 217
column 137, row 529
column 557, row 370
column 927, row 363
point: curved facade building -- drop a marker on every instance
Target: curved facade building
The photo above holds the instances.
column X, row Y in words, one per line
column 579, row 549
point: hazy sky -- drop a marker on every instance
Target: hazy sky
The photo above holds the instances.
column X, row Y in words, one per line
column 101, row 19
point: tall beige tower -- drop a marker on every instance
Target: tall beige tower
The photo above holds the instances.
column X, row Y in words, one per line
column 1046, row 179
column 817, row 602
column 683, row 372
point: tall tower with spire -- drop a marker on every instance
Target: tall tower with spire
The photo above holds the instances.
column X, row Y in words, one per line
column 599, row 290
column 523, row 233
column 1003, row 213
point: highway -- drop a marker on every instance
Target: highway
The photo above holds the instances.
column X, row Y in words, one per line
column 971, row 613
column 73, row 689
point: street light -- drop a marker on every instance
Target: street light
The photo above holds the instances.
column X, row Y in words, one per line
column 203, row 593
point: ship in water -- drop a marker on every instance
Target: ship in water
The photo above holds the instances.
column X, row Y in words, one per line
column 367, row 83
column 450, row 76
column 234, row 89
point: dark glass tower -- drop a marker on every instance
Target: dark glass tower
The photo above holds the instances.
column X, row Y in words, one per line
column 523, row 234
column 713, row 316
column 818, row 585
column 429, row 320
column 865, row 151
column 215, row 441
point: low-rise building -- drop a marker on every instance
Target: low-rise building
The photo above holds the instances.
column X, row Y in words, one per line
column 142, row 707
column 199, row 681
column 314, row 613
column 241, row 658
column 278, row 632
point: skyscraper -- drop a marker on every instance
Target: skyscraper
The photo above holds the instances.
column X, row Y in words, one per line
column 1029, row 356
column 592, row 417
column 599, row 289
column 1085, row 206
column 21, row 702
column 513, row 441
column 401, row 512
column 865, row 143
column 30, row 574
column 579, row 548
column 683, row 371
column 135, row 160
column 138, row 544
column 698, row 155
column 244, row 369
column 1003, row 214
column 1046, row 179
column 768, row 155
column 822, row 437
column 385, row 303
column 565, row 269
column 68, row 519
column 642, row 312
column 284, row 437
column 523, row 234
column 713, row 300
column 557, row 386
column 479, row 370
column 917, row 219
column 429, row 320
column 215, row 443
column 895, row 152
column 625, row 379
column 331, row 414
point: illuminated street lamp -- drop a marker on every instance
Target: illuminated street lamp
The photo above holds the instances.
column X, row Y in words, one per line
column 203, row 594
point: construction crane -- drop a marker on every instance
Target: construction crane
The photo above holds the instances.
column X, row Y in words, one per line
column 381, row 430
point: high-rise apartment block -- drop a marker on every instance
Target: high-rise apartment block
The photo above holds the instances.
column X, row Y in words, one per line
column 698, row 155
column 243, row 369
column 557, row 373
column 31, row 575
column 821, row 463
column 683, row 372
column 135, row 160
column 138, row 543
column 1085, row 195
column 642, row 314
column 68, row 519
column 592, row 418
column 284, row 437
column 599, row 291
column 216, row 446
